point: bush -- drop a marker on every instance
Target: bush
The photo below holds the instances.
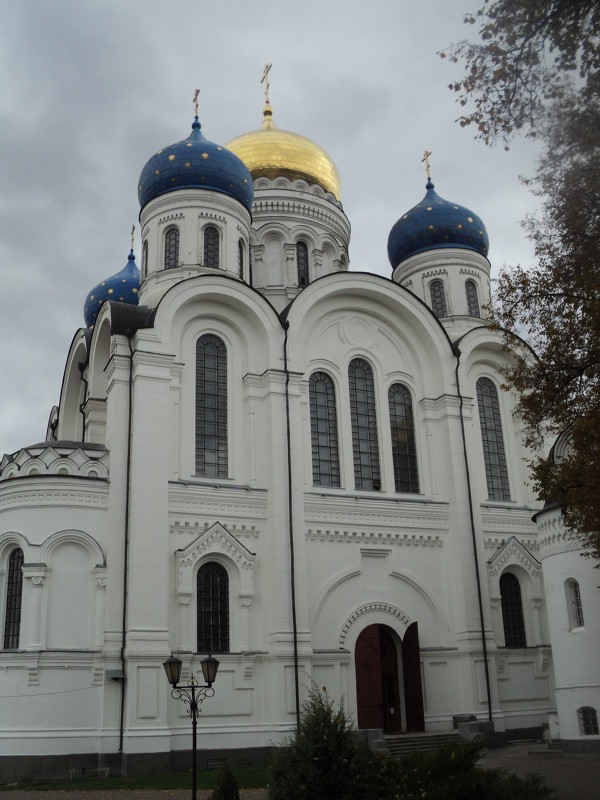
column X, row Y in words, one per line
column 227, row 787
column 324, row 760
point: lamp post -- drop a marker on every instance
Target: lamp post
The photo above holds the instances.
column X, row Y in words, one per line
column 193, row 695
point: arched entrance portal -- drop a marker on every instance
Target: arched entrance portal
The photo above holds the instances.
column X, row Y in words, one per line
column 388, row 680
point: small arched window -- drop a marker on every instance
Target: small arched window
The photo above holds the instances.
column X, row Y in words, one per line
column 365, row 446
column 145, row 259
column 472, row 299
column 574, row 607
column 241, row 258
column 212, row 588
column 211, row 407
column 211, row 247
column 438, row 298
column 512, row 611
column 302, row 263
column 402, row 428
column 493, row 443
column 172, row 248
column 323, row 429
column 14, row 595
column 588, row 721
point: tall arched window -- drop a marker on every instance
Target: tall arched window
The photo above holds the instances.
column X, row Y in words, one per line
column 211, row 407
column 364, row 425
column 171, row 248
column 574, row 607
column 472, row 299
column 212, row 589
column 404, row 451
column 241, row 258
column 14, row 595
column 211, row 246
column 438, row 298
column 144, row 259
column 512, row 611
column 323, row 428
column 493, row 444
column 302, row 263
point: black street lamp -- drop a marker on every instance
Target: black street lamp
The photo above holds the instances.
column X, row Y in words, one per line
column 192, row 695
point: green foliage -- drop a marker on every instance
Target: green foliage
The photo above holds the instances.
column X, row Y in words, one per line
column 451, row 774
column 324, row 761
column 227, row 786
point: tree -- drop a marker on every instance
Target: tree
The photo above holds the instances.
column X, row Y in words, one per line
column 528, row 51
column 520, row 78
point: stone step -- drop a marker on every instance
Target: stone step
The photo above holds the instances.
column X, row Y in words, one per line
column 403, row 744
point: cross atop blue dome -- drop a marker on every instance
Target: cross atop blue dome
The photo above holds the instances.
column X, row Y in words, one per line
column 195, row 163
column 436, row 223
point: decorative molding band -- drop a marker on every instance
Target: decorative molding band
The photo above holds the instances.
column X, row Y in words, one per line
column 372, row 538
column 369, row 608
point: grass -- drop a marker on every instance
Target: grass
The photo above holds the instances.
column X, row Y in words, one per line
column 255, row 776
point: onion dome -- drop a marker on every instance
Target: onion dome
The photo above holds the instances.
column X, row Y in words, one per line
column 436, row 223
column 272, row 153
column 120, row 288
column 195, row 163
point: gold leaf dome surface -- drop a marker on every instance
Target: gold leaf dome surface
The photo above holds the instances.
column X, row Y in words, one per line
column 271, row 153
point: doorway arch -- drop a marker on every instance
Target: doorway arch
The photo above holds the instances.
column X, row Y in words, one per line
column 389, row 693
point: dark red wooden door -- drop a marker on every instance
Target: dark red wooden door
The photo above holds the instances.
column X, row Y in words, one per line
column 413, row 690
column 392, row 722
column 369, row 696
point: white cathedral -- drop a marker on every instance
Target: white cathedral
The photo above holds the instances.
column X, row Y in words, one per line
column 311, row 473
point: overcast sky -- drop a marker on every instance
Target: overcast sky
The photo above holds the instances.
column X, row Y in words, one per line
column 92, row 88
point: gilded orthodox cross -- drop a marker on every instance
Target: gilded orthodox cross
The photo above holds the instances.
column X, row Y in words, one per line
column 196, row 93
column 132, row 235
column 265, row 80
column 426, row 160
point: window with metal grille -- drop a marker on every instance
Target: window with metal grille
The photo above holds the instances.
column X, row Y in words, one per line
column 574, row 607
column 438, row 298
column 588, row 721
column 171, row 248
column 494, row 457
column 512, row 611
column 211, row 407
column 211, row 246
column 241, row 258
column 472, row 299
column 364, row 426
column 213, row 608
column 323, row 428
column 404, row 451
column 302, row 263
column 14, row 595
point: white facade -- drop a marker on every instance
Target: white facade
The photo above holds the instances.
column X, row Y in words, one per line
column 115, row 518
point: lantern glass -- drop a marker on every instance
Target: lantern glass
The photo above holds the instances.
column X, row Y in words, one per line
column 173, row 669
column 209, row 665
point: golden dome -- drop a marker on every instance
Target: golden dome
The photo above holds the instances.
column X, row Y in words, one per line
column 272, row 153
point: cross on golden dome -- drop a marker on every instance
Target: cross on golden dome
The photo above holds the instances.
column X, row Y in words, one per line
column 265, row 80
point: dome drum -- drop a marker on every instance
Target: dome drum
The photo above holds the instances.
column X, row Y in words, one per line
column 177, row 243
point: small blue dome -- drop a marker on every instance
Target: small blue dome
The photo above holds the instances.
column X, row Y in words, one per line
column 196, row 163
column 121, row 288
column 436, row 223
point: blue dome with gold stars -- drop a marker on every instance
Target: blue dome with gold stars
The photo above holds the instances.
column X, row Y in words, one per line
column 121, row 288
column 196, row 163
column 435, row 223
